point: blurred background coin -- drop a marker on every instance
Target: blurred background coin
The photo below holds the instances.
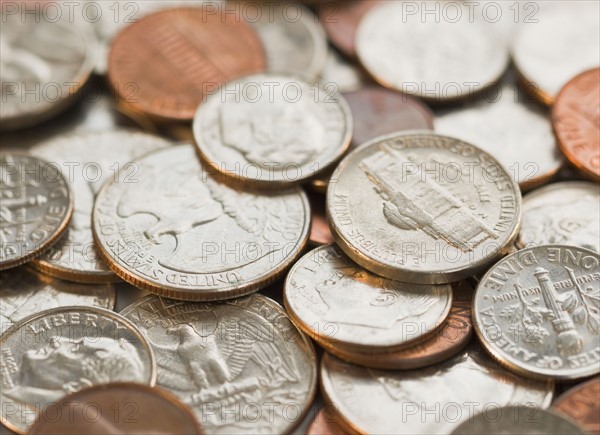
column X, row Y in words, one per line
column 340, row 74
column 326, row 422
column 580, row 404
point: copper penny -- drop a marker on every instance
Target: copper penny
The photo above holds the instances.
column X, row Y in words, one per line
column 167, row 62
column 118, row 408
column 326, row 422
column 581, row 403
column 320, row 234
column 576, row 121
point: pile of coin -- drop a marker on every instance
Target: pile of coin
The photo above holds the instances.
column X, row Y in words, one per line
column 275, row 217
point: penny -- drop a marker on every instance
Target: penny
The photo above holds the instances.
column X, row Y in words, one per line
column 26, row 292
column 516, row 131
column 191, row 52
column 241, row 365
column 542, row 48
column 320, row 234
column 62, row 350
column 36, row 207
column 256, row 131
column 45, row 62
column 565, row 213
column 435, row 59
column 88, row 160
column 580, row 403
column 430, row 400
column 536, row 312
column 521, row 419
column 326, row 423
column 422, row 208
column 118, row 408
column 576, row 120
column 334, row 300
column 179, row 233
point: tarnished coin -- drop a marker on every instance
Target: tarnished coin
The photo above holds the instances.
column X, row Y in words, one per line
column 272, row 131
column 581, row 404
column 564, row 213
column 241, row 365
column 516, row 131
column 166, row 63
column 556, row 43
column 536, row 311
column 87, row 160
column 438, row 60
column 35, row 208
column 576, row 120
column 179, row 233
column 118, row 408
column 45, row 61
column 59, row 351
column 333, row 299
column 425, row 401
column 422, row 208
column 25, row 292
column 326, row 422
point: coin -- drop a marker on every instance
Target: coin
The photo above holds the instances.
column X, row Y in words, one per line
column 536, row 312
column 438, row 60
column 422, row 208
column 564, row 213
column 45, row 62
column 88, row 160
column 527, row 147
column 191, row 52
column 241, row 365
column 425, row 401
column 334, row 300
column 580, row 403
column 320, row 234
column 118, row 408
column 25, row 292
column 179, row 233
column 62, row 350
column 341, row 75
column 36, row 207
column 326, row 423
column 576, row 120
column 272, row 131
column 542, row 48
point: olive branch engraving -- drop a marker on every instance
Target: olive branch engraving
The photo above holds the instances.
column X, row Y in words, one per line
column 582, row 305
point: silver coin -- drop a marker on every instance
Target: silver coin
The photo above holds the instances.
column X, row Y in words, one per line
column 339, row 75
column 45, row 62
column 179, row 233
column 88, row 160
column 25, row 292
column 515, row 131
column 536, row 311
column 564, row 213
column 334, row 299
column 423, row 208
column 36, row 207
column 428, row 57
column 240, row 365
column 431, row 400
column 59, row 351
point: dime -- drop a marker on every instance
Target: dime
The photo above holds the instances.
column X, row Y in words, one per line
column 564, row 213
column 581, row 404
column 45, row 62
column 118, row 408
column 272, row 131
column 536, row 312
column 25, row 292
column 516, row 131
column 320, row 234
column 241, row 365
column 326, row 423
column 179, row 233
column 576, row 120
column 62, row 350
column 542, row 48
column 334, row 300
column 434, row 59
column 88, row 160
column 341, row 75
column 422, row 208
column 35, row 209
column 425, row 401
column 190, row 51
